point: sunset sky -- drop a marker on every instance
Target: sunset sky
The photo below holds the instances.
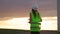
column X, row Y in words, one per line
column 21, row 8
column 13, row 11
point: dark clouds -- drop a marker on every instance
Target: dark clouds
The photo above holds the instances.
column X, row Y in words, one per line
column 21, row 8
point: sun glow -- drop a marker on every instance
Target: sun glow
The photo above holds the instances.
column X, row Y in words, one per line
column 48, row 23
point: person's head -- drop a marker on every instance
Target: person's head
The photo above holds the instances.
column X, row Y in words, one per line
column 34, row 8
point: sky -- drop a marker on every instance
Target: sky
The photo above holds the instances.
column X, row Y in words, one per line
column 21, row 8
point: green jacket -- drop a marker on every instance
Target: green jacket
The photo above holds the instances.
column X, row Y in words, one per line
column 34, row 26
column 35, row 19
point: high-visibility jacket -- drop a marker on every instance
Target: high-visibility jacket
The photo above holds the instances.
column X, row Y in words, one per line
column 34, row 26
column 37, row 18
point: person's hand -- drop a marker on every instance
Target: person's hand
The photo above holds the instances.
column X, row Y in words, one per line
column 41, row 20
column 29, row 22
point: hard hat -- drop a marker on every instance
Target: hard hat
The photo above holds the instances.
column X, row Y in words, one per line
column 34, row 7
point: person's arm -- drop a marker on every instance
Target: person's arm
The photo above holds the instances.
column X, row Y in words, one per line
column 39, row 17
column 30, row 18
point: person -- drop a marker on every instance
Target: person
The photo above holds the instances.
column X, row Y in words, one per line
column 35, row 18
